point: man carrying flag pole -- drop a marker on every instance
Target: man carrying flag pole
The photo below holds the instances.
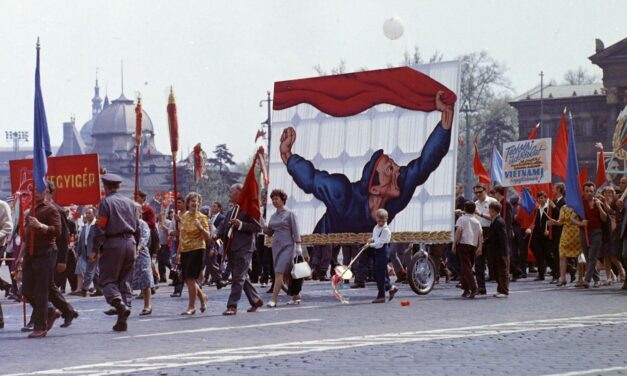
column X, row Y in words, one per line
column 44, row 225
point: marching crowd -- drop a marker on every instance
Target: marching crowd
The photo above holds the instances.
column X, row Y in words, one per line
column 124, row 246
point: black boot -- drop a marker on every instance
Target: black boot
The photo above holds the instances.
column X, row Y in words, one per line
column 123, row 313
column 1, row 318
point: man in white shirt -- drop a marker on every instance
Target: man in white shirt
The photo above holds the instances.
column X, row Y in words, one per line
column 468, row 244
column 482, row 213
column 6, row 228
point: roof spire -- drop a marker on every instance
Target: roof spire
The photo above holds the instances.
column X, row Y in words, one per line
column 122, row 75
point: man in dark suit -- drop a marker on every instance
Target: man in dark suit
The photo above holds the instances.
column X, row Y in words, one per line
column 498, row 241
column 540, row 242
column 240, row 251
column 212, row 263
column 556, row 231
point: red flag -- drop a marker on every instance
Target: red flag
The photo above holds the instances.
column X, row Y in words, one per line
column 260, row 134
column 583, row 177
column 479, row 168
column 173, row 124
column 249, row 196
column 560, row 153
column 534, row 132
column 601, row 175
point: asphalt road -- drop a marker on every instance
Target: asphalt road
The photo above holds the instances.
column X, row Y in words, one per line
column 539, row 330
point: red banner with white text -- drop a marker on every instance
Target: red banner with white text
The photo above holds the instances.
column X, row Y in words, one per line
column 76, row 178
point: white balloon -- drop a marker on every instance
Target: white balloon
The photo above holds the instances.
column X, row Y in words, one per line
column 393, row 28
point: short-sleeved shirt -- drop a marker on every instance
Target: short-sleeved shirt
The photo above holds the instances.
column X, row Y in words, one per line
column 191, row 238
column 484, row 208
column 593, row 216
column 471, row 229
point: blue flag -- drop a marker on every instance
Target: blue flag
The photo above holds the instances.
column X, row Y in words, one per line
column 573, row 189
column 41, row 147
column 527, row 202
column 496, row 168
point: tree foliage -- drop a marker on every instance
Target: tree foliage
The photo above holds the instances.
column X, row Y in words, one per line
column 580, row 76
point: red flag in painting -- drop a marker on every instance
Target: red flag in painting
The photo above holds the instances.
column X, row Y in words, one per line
column 249, row 196
column 480, row 169
column 560, row 153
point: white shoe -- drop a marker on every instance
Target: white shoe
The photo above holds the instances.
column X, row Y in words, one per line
column 499, row 295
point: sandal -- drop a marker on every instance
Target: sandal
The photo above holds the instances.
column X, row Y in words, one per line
column 189, row 312
column 146, row 311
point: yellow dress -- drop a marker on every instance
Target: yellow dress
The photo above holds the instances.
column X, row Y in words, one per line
column 570, row 246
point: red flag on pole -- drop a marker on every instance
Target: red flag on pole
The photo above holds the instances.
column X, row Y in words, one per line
column 560, row 153
column 601, row 175
column 534, row 132
column 249, row 196
column 479, row 168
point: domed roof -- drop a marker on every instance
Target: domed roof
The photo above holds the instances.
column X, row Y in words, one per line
column 85, row 131
column 119, row 118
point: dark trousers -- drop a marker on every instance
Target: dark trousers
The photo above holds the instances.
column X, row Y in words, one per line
column 68, row 275
column 54, row 294
column 239, row 260
column 255, row 270
column 116, row 267
column 37, row 279
column 212, row 267
column 321, row 259
column 480, row 262
column 163, row 261
column 520, row 250
column 553, row 259
column 381, row 257
column 363, row 265
column 541, row 245
column 466, row 255
column 267, row 266
column 502, row 274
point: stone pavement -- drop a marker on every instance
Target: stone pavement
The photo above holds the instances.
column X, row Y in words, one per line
column 539, row 330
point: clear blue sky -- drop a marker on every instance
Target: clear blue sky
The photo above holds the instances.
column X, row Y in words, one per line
column 222, row 56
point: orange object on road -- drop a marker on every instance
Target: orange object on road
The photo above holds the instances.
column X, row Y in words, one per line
column 405, row 303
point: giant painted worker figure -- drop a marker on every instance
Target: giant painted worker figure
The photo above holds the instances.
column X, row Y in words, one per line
column 351, row 206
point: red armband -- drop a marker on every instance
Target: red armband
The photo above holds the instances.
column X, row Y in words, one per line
column 102, row 222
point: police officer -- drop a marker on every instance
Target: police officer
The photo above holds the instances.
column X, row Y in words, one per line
column 114, row 234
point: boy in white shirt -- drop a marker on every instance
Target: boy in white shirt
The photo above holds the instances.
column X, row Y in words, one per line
column 381, row 236
column 468, row 244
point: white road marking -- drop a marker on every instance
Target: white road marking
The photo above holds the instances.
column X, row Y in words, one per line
column 597, row 371
column 217, row 329
column 293, row 348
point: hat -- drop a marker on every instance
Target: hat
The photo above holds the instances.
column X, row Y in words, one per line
column 368, row 172
column 111, row 178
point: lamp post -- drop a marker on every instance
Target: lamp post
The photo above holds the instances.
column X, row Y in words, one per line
column 468, row 188
column 268, row 122
column 16, row 137
column 541, row 104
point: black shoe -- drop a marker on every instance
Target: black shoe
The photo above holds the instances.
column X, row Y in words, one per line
column 175, row 295
column 123, row 313
column 554, row 281
column 539, row 279
column 358, row 285
column 153, row 291
column 572, row 277
column 474, row 293
column 67, row 321
column 95, row 294
column 28, row 328
column 220, row 284
column 323, row 278
column 466, row 294
column 480, row 292
column 111, row 312
column 522, row 276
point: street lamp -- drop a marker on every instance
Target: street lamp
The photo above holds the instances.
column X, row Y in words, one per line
column 468, row 185
column 268, row 121
column 16, row 137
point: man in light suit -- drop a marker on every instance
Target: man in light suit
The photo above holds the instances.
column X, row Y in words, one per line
column 86, row 254
column 240, row 253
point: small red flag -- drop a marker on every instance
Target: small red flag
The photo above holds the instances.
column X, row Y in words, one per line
column 534, row 132
column 173, row 124
column 480, row 169
column 601, row 175
column 249, row 196
column 560, row 153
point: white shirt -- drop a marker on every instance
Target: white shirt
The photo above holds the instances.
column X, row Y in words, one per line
column 6, row 223
column 483, row 207
column 471, row 229
column 381, row 235
column 86, row 228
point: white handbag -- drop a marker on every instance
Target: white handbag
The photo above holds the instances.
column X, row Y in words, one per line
column 300, row 269
column 581, row 259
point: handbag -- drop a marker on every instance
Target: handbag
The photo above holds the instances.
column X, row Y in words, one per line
column 581, row 259
column 301, row 269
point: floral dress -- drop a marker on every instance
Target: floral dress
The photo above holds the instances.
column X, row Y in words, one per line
column 570, row 246
column 142, row 272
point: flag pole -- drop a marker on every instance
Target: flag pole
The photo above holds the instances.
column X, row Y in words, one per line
column 173, row 127
column 138, row 137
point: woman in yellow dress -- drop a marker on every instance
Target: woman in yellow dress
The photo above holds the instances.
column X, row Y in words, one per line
column 570, row 245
